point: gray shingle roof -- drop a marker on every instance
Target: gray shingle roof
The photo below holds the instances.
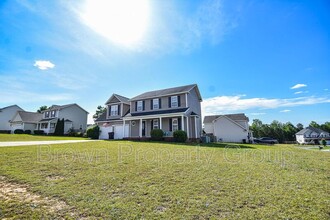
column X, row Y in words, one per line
column 10, row 107
column 30, row 116
column 119, row 97
column 234, row 117
column 165, row 92
column 59, row 107
column 160, row 112
column 309, row 130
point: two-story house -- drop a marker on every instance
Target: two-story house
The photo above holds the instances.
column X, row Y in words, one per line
column 7, row 114
column 228, row 128
column 169, row 109
column 75, row 117
column 311, row 135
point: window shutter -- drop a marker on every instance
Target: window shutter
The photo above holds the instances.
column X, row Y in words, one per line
column 136, row 106
column 119, row 110
column 143, row 105
column 160, row 103
column 179, row 122
column 179, row 101
column 169, row 102
column 152, row 124
column 170, row 120
column 151, row 104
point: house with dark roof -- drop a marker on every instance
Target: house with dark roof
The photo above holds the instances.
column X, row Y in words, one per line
column 6, row 114
column 170, row 109
column 311, row 135
column 75, row 117
column 228, row 128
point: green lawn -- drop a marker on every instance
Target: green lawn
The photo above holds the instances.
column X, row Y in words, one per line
column 139, row 180
column 28, row 137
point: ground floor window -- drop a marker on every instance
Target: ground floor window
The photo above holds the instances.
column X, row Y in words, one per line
column 155, row 124
column 52, row 125
column 44, row 125
column 175, row 124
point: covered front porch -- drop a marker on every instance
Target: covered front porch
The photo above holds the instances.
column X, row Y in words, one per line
column 140, row 127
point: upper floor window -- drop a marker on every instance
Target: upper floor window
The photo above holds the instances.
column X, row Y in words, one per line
column 114, row 110
column 53, row 114
column 155, row 104
column 174, row 101
column 155, row 124
column 139, row 106
column 46, row 114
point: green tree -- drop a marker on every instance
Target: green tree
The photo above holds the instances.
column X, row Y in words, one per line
column 300, row 127
column 99, row 111
column 42, row 108
column 314, row 124
column 326, row 127
column 59, row 129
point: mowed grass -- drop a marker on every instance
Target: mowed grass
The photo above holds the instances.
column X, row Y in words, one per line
column 28, row 137
column 134, row 180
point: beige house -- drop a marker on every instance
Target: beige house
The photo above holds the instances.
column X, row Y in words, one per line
column 169, row 109
column 74, row 117
column 228, row 128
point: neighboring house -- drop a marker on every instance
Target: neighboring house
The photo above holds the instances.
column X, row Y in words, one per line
column 311, row 135
column 169, row 109
column 6, row 114
column 228, row 128
column 74, row 117
column 25, row 121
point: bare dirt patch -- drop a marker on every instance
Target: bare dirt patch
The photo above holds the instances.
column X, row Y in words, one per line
column 10, row 191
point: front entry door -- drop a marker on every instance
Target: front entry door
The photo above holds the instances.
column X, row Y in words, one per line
column 143, row 128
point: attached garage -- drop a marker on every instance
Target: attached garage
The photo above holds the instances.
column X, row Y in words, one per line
column 106, row 128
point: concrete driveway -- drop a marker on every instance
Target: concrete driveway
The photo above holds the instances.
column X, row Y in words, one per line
column 26, row 143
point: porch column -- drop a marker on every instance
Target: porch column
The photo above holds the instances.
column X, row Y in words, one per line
column 140, row 130
column 195, row 127
column 182, row 122
column 187, row 126
column 48, row 127
column 123, row 128
column 160, row 122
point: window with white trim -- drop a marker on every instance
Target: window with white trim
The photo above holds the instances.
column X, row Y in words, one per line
column 175, row 124
column 52, row 125
column 114, row 110
column 174, row 101
column 155, row 103
column 155, row 124
column 139, row 107
column 53, row 113
column 46, row 114
column 44, row 125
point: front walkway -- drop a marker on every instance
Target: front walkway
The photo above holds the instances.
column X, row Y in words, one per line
column 26, row 143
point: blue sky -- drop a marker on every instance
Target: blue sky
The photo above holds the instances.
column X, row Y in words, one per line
column 268, row 59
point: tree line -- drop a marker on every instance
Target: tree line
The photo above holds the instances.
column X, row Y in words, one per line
column 282, row 131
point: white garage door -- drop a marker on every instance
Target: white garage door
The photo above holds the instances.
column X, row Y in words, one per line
column 118, row 129
column 16, row 126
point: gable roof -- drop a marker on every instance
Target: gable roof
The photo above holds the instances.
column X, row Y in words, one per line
column 167, row 92
column 234, row 117
column 119, row 97
column 29, row 116
column 309, row 130
column 59, row 107
column 10, row 106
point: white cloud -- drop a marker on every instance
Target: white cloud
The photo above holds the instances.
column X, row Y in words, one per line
column 301, row 92
column 326, row 89
column 285, row 111
column 257, row 113
column 238, row 103
column 44, row 64
column 297, row 86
